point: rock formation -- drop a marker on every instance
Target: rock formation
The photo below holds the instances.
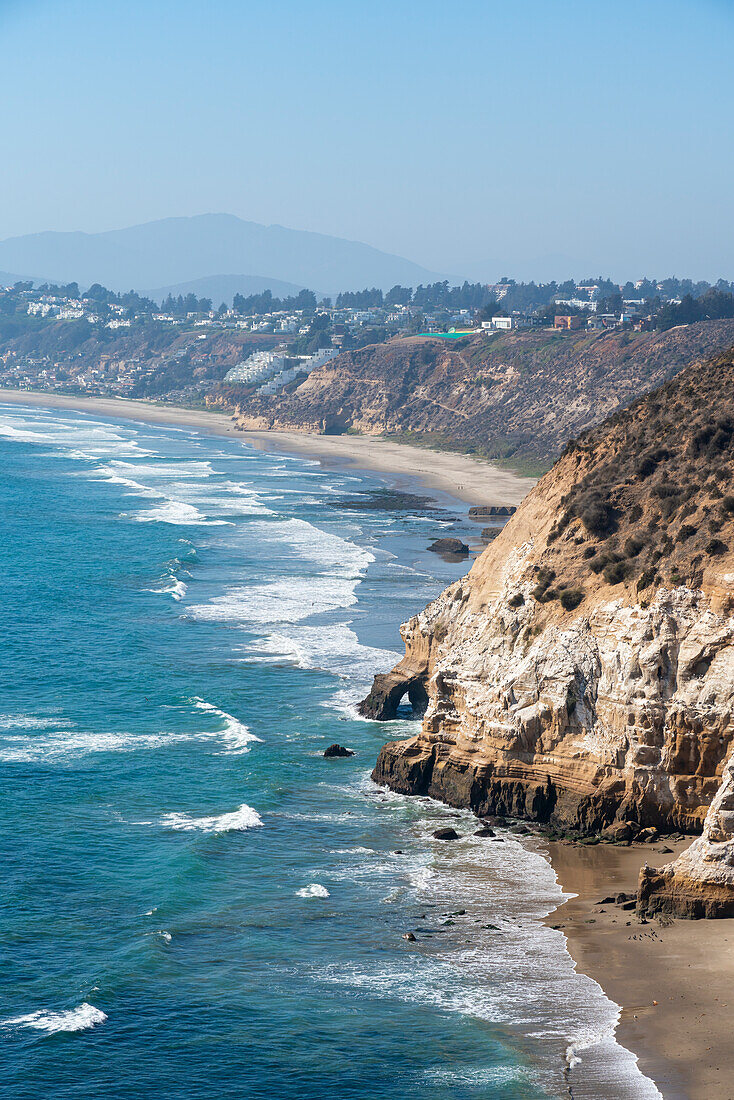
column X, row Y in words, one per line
column 582, row 674
column 453, row 548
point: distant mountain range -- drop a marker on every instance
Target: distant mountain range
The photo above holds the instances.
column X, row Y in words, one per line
column 201, row 251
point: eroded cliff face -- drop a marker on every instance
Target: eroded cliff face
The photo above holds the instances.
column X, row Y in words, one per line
column 622, row 712
column 517, row 394
column 607, row 697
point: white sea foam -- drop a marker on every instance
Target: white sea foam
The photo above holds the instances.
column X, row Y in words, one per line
column 81, row 1018
column 313, row 544
column 165, row 936
column 287, row 600
column 75, row 439
column 166, row 470
column 170, row 585
column 236, row 735
column 232, row 497
column 179, row 513
column 176, row 588
column 335, row 648
column 32, row 722
column 56, row 740
column 358, row 851
column 68, row 744
column 338, row 563
column 313, row 891
column 235, row 821
column 107, row 474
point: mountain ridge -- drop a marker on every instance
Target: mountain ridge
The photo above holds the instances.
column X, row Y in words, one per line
column 169, row 251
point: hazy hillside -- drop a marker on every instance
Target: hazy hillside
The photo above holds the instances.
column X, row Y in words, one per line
column 182, row 250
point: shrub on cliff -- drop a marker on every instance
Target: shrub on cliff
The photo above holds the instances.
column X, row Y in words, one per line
column 571, row 598
column 716, row 546
column 616, row 572
column 542, row 590
column 596, row 513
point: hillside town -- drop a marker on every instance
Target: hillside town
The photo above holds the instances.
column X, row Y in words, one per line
column 103, row 343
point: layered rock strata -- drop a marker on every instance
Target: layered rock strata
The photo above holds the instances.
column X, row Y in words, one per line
column 583, row 672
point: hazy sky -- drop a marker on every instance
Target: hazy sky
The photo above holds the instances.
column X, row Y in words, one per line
column 532, row 138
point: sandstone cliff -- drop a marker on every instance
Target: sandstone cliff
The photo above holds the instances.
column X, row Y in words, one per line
column 517, row 395
column 583, row 672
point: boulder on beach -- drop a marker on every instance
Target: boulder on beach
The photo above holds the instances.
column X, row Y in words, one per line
column 620, row 832
column 446, row 834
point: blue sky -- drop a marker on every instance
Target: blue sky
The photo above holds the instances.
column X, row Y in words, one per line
column 534, row 138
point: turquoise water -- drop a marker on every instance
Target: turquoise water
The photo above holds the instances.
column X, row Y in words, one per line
column 195, row 903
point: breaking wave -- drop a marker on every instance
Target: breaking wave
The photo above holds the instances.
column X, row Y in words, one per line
column 234, row 822
column 313, row 891
column 236, row 735
column 81, row 1018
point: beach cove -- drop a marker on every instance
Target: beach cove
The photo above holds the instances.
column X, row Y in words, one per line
column 467, row 479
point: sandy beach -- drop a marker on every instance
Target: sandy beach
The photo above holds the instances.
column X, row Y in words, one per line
column 461, row 476
column 683, row 1041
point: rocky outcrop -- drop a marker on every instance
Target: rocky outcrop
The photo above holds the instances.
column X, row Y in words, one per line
column 700, row 883
column 582, row 674
column 479, row 511
column 622, row 713
column 452, row 548
column 407, row 680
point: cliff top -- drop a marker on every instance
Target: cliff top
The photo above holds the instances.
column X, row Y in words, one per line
column 644, row 499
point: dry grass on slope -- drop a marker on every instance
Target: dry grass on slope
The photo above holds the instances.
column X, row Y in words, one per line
column 648, row 495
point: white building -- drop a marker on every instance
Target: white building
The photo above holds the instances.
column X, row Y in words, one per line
column 304, row 366
column 260, row 367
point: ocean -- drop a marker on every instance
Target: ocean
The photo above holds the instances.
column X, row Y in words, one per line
column 195, row 903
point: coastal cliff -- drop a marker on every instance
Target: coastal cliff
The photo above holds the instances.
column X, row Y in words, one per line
column 582, row 674
column 515, row 395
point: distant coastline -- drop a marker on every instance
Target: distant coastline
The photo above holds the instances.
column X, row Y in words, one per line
column 469, row 479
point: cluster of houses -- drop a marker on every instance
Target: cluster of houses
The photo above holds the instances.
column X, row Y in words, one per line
column 60, row 308
column 269, row 371
column 275, row 369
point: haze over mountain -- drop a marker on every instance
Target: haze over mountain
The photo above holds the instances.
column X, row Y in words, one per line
column 222, row 288
column 163, row 254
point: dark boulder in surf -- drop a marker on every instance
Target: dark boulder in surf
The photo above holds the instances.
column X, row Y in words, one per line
column 454, row 547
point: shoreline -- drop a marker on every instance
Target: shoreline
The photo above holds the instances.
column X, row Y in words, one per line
column 682, row 1042
column 679, row 967
column 467, row 479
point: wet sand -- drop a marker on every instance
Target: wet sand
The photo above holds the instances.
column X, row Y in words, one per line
column 684, row 1042
column 461, row 476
